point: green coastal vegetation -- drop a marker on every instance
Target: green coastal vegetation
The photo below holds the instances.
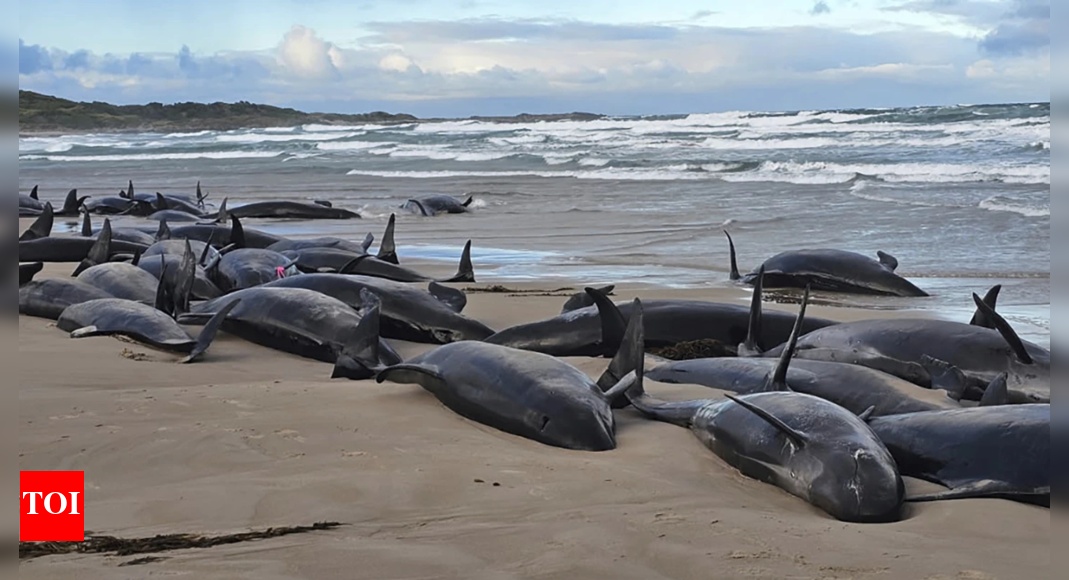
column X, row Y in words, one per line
column 47, row 114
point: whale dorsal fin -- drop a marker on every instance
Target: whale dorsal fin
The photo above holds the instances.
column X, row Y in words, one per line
column 130, row 189
column 613, row 323
column 778, row 381
column 469, row 201
column 237, row 232
column 465, row 272
column 997, row 393
column 1005, row 330
column 991, row 299
column 223, row 214
column 42, row 226
column 71, row 204
column 100, row 252
column 798, row 438
column 164, row 293
column 87, row 225
column 33, row 193
column 163, row 232
column 184, row 280
column 161, row 202
column 735, row 276
column 629, row 358
column 888, row 260
column 359, row 358
column 388, row 247
column 752, row 346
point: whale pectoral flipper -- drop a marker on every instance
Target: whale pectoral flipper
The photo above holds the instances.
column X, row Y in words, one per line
column 945, row 377
column 987, row 489
column 87, row 332
column 797, row 437
column 888, row 260
column 207, row 334
column 867, row 414
column 454, row 299
column 1005, row 330
column 427, row 376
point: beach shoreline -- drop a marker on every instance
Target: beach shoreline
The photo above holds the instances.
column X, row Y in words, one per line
column 251, row 438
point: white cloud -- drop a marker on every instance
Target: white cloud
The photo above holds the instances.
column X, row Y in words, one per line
column 306, row 55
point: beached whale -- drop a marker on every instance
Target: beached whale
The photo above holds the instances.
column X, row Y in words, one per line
column 523, row 393
column 981, row 353
column 329, row 260
column 433, row 205
column 292, row 210
column 132, row 235
column 992, row 452
column 48, row 298
column 69, row 249
column 408, row 313
column 139, row 322
column 805, row 445
column 585, row 332
column 30, row 205
column 832, row 271
column 294, row 320
column 28, row 271
column 248, row 268
column 122, row 280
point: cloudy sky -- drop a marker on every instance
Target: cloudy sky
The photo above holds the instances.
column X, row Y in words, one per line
column 464, row 57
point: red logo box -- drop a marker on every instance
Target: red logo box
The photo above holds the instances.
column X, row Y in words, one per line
column 53, row 506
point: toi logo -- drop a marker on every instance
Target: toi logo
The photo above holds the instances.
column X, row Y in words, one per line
column 52, row 506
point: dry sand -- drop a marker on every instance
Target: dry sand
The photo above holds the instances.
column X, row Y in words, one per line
column 253, row 438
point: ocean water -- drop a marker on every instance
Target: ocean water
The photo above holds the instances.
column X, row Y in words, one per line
column 960, row 195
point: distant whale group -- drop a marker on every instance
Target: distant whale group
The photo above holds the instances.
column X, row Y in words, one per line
column 833, row 413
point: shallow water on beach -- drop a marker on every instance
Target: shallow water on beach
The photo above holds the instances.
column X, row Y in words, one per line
column 960, row 195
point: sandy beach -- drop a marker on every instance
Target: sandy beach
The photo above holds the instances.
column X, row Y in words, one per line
column 251, row 438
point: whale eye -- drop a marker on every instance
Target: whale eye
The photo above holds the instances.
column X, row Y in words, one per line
column 545, row 423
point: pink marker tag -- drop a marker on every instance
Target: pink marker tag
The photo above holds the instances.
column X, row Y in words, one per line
column 281, row 272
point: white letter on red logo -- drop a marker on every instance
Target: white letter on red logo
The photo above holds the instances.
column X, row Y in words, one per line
column 48, row 503
column 33, row 500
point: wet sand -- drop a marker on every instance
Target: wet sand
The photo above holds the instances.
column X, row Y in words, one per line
column 251, row 438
